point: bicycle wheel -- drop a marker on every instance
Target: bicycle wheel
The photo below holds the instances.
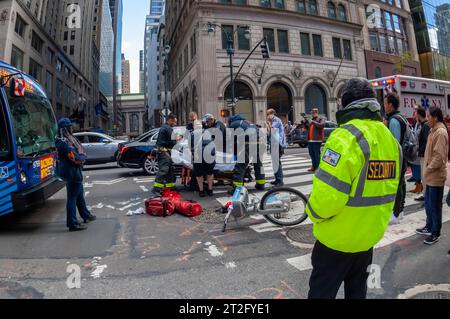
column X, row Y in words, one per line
column 285, row 197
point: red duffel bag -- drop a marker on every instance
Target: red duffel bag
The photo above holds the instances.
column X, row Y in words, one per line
column 170, row 194
column 159, row 206
column 188, row 208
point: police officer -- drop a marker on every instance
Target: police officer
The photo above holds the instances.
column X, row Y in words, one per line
column 165, row 178
column 241, row 128
column 354, row 191
column 69, row 168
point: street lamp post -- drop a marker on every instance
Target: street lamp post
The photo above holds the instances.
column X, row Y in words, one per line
column 230, row 53
column 166, row 70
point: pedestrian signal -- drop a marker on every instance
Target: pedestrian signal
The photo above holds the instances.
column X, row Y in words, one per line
column 265, row 50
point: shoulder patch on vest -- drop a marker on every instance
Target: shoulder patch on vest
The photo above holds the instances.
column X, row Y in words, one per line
column 331, row 157
column 381, row 170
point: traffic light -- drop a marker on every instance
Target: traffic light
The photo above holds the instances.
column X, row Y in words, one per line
column 265, row 50
column 225, row 113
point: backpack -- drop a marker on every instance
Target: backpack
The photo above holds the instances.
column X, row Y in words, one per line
column 160, row 207
column 410, row 142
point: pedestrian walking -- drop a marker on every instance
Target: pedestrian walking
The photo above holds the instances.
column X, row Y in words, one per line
column 435, row 175
column 165, row 178
column 70, row 159
column 316, row 136
column 354, row 191
column 421, row 117
column 278, row 145
column 397, row 124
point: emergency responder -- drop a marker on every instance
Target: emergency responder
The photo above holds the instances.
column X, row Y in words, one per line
column 243, row 151
column 71, row 157
column 165, row 178
column 354, row 191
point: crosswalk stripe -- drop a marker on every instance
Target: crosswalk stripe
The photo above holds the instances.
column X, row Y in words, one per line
column 394, row 233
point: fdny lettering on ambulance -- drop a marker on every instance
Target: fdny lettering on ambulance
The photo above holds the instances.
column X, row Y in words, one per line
column 381, row 170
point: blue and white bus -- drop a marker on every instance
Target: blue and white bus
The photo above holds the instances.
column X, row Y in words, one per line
column 27, row 143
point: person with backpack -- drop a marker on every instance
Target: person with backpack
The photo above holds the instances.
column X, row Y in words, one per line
column 399, row 127
column 421, row 117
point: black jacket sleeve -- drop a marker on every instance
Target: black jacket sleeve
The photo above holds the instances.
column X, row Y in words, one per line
column 423, row 139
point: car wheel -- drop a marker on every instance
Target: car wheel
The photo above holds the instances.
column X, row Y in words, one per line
column 150, row 166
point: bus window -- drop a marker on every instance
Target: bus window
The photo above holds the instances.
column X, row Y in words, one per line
column 34, row 124
column 5, row 150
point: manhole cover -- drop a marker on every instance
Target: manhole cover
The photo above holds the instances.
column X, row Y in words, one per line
column 302, row 234
column 432, row 295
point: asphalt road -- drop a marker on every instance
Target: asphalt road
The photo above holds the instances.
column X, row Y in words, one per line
column 139, row 256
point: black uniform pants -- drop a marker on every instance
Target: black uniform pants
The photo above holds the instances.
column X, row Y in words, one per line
column 240, row 168
column 166, row 174
column 331, row 268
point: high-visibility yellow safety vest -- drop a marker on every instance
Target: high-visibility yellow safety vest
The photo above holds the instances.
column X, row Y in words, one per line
column 355, row 187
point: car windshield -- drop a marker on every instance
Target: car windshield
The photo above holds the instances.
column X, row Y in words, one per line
column 33, row 122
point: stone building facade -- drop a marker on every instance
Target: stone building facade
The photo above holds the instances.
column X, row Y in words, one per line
column 312, row 55
column 34, row 37
column 132, row 110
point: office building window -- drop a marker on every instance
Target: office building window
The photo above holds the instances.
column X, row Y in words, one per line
column 270, row 37
column 337, row 48
column 301, row 6
column 317, row 44
column 20, row 26
column 312, row 7
column 243, row 42
column 283, row 41
column 17, row 57
column 347, row 49
column 36, row 42
column 331, row 10
column 35, row 70
column 341, row 13
column 49, row 83
column 226, row 32
column 305, row 46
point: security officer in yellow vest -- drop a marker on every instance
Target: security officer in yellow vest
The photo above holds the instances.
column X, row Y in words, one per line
column 353, row 195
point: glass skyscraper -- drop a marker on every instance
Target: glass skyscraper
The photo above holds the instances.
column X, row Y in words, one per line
column 157, row 7
column 432, row 27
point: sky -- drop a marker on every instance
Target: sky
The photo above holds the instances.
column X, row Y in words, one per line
column 134, row 14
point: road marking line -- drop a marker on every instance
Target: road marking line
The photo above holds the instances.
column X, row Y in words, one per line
column 144, row 189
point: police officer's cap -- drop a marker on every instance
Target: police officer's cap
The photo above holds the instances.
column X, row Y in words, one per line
column 64, row 123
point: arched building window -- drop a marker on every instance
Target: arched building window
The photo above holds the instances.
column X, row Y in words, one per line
column 312, row 7
column 315, row 97
column 341, row 13
column 377, row 72
column 331, row 10
column 279, row 98
column 134, row 123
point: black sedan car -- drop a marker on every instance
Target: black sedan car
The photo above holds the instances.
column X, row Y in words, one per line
column 137, row 154
column 300, row 134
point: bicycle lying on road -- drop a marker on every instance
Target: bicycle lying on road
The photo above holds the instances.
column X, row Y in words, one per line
column 283, row 206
